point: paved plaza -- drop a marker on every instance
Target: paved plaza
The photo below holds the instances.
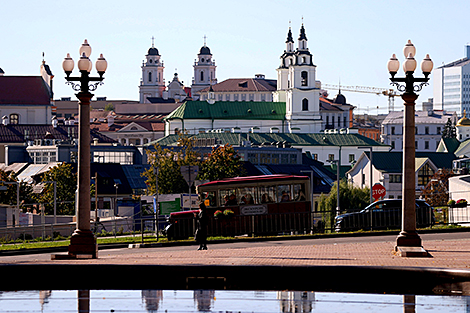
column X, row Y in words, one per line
column 447, row 251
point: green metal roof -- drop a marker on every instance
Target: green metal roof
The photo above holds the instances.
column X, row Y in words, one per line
column 463, row 147
column 291, row 138
column 230, row 110
column 448, row 145
column 392, row 162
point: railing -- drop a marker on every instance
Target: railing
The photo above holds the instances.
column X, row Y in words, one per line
column 251, row 225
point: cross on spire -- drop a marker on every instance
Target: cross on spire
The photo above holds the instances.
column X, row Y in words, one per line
column 153, row 42
column 205, row 40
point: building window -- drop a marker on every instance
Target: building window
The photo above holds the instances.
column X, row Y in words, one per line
column 150, row 76
column 426, row 145
column 304, row 104
column 393, row 144
column 331, row 157
column 315, row 156
column 14, row 119
column 392, row 130
column 426, row 130
column 202, row 76
column 438, row 131
column 345, row 122
column 395, row 178
column 424, row 175
column 351, row 158
column 304, row 80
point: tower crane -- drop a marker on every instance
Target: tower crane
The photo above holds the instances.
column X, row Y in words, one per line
column 390, row 93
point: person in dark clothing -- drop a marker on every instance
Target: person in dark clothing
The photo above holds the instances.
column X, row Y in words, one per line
column 201, row 231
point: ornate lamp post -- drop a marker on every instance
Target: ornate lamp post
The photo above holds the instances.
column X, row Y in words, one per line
column 408, row 241
column 83, row 242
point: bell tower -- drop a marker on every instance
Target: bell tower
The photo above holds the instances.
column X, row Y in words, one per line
column 152, row 83
column 204, row 71
column 302, row 94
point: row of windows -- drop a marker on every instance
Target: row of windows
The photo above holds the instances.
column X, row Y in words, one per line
column 272, row 158
column 345, row 122
column 43, row 157
column 451, row 77
column 426, row 145
column 426, row 130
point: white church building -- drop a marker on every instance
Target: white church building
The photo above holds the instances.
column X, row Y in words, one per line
column 240, row 106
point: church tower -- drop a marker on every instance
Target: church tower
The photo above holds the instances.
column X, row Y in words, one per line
column 302, row 94
column 204, row 71
column 152, row 83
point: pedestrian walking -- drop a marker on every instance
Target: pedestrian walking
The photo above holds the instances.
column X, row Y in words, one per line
column 201, row 231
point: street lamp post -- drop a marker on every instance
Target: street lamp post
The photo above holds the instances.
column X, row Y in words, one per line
column 408, row 241
column 83, row 242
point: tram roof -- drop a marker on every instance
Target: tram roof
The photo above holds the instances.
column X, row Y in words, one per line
column 249, row 179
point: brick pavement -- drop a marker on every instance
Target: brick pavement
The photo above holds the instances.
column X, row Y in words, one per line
column 449, row 254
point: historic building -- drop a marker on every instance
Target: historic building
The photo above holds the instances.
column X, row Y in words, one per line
column 290, row 104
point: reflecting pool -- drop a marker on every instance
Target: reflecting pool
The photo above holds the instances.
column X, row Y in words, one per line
column 223, row 301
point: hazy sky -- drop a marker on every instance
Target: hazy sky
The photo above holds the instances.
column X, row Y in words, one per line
column 351, row 41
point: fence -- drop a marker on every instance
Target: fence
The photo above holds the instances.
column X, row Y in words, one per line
column 252, row 225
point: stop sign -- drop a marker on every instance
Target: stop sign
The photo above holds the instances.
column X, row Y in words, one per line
column 378, row 191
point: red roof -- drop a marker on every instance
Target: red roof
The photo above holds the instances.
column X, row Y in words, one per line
column 244, row 85
column 31, row 90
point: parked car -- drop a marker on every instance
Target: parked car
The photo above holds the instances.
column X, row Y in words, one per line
column 383, row 214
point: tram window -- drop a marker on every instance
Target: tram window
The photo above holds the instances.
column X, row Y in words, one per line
column 228, row 197
column 247, row 195
column 299, row 192
column 209, row 199
column 267, row 194
column 284, row 193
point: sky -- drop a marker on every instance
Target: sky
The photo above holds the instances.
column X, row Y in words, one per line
column 351, row 41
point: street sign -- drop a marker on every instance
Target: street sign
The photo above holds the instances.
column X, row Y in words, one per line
column 189, row 173
column 378, row 191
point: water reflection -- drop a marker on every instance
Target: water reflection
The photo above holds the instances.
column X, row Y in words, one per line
column 296, row 301
column 161, row 301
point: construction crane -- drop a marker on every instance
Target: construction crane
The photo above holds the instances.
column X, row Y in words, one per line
column 390, row 93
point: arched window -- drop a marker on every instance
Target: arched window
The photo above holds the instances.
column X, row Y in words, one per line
column 202, row 76
column 150, row 76
column 305, row 104
column 14, row 119
column 123, row 141
column 304, row 78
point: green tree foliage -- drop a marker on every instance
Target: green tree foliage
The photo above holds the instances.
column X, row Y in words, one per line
column 66, row 187
column 449, row 130
column 351, row 199
column 169, row 162
column 109, row 107
column 222, row 162
column 9, row 196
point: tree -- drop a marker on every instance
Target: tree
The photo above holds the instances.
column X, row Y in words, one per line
column 9, row 196
column 449, row 130
column 436, row 192
column 222, row 162
column 169, row 162
column 109, row 107
column 66, row 182
column 351, row 199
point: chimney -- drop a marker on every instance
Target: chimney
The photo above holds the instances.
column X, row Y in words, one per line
column 110, row 119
